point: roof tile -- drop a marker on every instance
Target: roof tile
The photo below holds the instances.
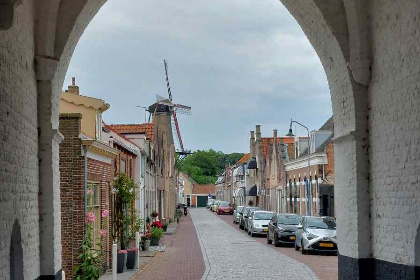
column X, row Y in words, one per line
column 134, row 128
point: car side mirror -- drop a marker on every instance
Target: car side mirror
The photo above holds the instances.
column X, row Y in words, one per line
column 299, row 227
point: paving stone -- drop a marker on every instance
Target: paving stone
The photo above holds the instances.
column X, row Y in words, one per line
column 228, row 254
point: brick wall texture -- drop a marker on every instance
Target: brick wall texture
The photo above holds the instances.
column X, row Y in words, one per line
column 72, row 191
column 19, row 142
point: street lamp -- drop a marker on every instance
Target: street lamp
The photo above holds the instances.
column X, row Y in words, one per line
column 308, row 209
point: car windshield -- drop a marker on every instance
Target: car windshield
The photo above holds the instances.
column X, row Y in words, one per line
column 288, row 219
column 321, row 223
column 250, row 210
column 224, row 204
column 239, row 209
column 211, row 201
column 263, row 216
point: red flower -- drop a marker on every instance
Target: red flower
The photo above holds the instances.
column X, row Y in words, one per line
column 157, row 224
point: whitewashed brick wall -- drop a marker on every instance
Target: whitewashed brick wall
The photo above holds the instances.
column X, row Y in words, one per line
column 19, row 142
column 395, row 129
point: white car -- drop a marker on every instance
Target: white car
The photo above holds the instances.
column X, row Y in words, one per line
column 258, row 222
column 316, row 234
column 209, row 202
column 236, row 214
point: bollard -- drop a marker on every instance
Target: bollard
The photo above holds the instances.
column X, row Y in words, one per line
column 114, row 261
column 138, row 249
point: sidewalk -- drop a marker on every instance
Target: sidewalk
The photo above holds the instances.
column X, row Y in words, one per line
column 182, row 258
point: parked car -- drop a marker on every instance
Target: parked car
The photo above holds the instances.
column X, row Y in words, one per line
column 316, row 234
column 282, row 229
column 258, row 222
column 236, row 214
column 245, row 214
column 214, row 204
column 224, row 208
column 209, row 202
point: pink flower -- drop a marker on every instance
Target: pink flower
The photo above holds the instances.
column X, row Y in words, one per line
column 90, row 217
column 102, row 232
column 122, row 251
column 90, row 192
column 132, row 249
column 105, row 213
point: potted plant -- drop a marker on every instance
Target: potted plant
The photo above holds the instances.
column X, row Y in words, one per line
column 164, row 226
column 178, row 214
column 121, row 261
column 131, row 257
column 145, row 239
column 156, row 234
column 123, row 217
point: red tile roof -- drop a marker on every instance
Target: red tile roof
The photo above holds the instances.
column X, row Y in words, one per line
column 204, row 189
column 134, row 129
column 285, row 140
column 245, row 158
column 119, row 134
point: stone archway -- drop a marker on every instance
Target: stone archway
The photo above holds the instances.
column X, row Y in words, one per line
column 376, row 109
column 16, row 253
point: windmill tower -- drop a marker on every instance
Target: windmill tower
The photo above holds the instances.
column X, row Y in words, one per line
column 164, row 113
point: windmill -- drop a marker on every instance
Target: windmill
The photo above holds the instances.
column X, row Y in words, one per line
column 166, row 105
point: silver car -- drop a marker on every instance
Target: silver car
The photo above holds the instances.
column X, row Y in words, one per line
column 316, row 234
column 258, row 222
column 236, row 214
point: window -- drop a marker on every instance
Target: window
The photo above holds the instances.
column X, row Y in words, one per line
column 123, row 166
column 94, row 205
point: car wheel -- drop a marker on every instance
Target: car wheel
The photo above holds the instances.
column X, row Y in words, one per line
column 276, row 241
column 296, row 247
column 268, row 238
column 249, row 233
column 241, row 226
column 303, row 249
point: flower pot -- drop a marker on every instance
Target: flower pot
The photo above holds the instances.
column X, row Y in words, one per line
column 165, row 228
column 121, row 262
column 131, row 259
column 154, row 241
column 146, row 245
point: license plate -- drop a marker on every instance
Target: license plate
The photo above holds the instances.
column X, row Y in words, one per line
column 292, row 237
column 227, row 211
column 326, row 245
column 265, row 229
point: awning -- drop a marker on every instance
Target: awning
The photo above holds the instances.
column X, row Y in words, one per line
column 253, row 191
column 238, row 192
column 238, row 171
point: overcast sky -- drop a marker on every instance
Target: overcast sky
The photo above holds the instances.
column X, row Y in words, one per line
column 237, row 63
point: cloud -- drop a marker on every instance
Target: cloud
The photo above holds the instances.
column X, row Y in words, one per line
column 236, row 62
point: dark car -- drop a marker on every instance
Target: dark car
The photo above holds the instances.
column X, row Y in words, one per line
column 282, row 229
column 245, row 214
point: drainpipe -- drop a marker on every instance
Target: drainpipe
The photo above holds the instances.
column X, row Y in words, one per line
column 85, row 167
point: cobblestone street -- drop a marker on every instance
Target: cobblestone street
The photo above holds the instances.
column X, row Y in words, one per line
column 229, row 254
column 325, row 267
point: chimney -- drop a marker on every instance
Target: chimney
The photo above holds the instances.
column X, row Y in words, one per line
column 73, row 88
column 252, row 145
column 275, row 145
column 259, row 150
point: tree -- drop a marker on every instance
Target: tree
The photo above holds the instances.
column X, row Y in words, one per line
column 204, row 166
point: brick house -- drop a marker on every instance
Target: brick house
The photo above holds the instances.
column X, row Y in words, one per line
column 200, row 193
column 143, row 136
column 321, row 174
column 86, row 175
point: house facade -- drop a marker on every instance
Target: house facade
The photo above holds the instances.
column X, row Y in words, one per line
column 85, row 175
column 321, row 175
